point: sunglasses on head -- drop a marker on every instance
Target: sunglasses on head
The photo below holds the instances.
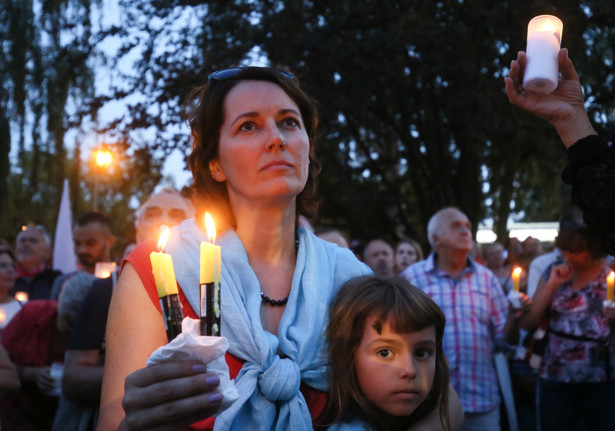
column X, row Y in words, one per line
column 230, row 73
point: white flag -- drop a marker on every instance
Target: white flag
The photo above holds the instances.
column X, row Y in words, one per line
column 63, row 247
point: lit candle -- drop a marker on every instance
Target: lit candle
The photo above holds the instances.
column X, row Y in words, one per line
column 104, row 269
column 210, row 281
column 2, row 318
column 610, row 281
column 544, row 36
column 21, row 296
column 516, row 275
column 164, row 274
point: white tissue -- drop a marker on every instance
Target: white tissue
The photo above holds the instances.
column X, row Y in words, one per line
column 190, row 345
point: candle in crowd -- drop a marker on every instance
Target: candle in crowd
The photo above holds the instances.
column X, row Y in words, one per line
column 21, row 296
column 544, row 36
column 104, row 269
column 610, row 281
column 164, row 274
column 516, row 275
column 210, row 281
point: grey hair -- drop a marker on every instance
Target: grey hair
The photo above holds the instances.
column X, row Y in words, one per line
column 164, row 190
column 74, row 289
column 41, row 229
column 434, row 226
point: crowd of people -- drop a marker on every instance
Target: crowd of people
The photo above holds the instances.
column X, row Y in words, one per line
column 319, row 335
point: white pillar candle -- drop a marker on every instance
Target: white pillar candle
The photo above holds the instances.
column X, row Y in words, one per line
column 544, row 36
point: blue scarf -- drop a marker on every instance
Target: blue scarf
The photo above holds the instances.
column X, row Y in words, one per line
column 268, row 385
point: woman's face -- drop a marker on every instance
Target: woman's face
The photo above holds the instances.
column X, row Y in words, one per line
column 7, row 272
column 264, row 147
column 405, row 256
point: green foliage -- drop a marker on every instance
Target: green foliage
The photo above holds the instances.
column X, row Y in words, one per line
column 410, row 93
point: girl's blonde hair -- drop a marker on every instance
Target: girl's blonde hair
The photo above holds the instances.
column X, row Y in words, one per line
column 407, row 309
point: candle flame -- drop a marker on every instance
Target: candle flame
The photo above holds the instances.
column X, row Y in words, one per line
column 547, row 26
column 611, row 277
column 517, row 271
column 21, row 296
column 2, row 316
column 210, row 227
column 164, row 236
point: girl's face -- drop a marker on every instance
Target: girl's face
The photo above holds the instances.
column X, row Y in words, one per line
column 405, row 256
column 395, row 371
column 7, row 272
column 264, row 147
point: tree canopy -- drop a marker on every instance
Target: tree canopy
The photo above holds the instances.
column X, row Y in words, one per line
column 413, row 114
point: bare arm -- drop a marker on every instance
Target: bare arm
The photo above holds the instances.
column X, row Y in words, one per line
column 542, row 298
column 167, row 396
column 513, row 319
column 564, row 108
column 82, row 379
column 9, row 380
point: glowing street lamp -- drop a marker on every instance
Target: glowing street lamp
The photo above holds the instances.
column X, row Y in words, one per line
column 103, row 159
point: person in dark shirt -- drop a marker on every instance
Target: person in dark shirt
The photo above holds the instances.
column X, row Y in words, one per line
column 591, row 158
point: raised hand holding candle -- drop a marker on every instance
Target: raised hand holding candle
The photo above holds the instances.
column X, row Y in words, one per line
column 544, row 36
column 164, row 274
column 210, row 281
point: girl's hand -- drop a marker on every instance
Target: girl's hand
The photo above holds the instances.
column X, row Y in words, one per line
column 169, row 396
column 609, row 313
column 564, row 108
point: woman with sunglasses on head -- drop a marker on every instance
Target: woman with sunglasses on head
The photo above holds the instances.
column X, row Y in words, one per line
column 254, row 169
column 576, row 378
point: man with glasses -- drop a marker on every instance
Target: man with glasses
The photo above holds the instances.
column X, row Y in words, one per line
column 32, row 252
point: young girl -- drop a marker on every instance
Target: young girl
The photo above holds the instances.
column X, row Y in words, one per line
column 387, row 367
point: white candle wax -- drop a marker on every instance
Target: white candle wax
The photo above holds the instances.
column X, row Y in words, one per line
column 543, row 44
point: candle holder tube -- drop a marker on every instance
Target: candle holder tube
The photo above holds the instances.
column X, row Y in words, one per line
column 172, row 315
column 544, row 36
column 210, row 309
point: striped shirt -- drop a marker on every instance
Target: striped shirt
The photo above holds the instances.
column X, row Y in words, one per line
column 475, row 308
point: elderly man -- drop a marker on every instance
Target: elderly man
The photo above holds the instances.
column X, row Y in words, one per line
column 32, row 252
column 84, row 365
column 380, row 257
column 476, row 314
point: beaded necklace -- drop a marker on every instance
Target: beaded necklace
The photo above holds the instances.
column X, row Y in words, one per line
column 279, row 302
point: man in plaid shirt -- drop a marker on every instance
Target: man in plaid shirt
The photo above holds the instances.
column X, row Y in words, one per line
column 476, row 315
